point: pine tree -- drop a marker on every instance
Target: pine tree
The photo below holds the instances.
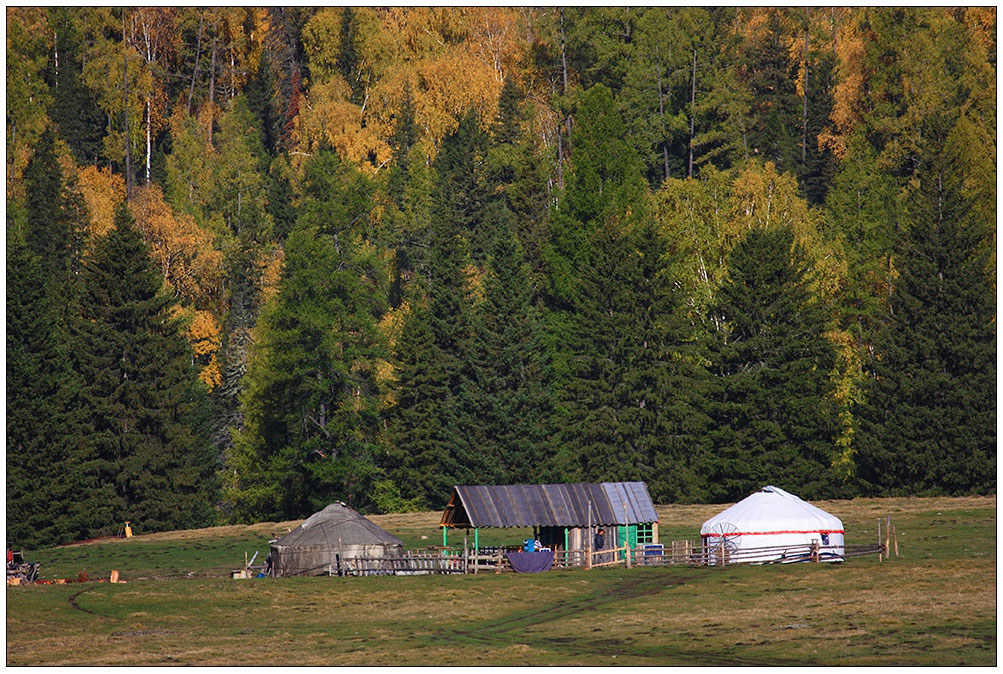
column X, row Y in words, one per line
column 423, row 426
column 461, row 190
column 311, row 405
column 55, row 216
column 432, row 430
column 279, row 197
column 515, row 172
column 670, row 378
column 260, row 92
column 243, row 307
column 625, row 403
column 43, row 291
column 74, row 107
column 507, row 125
column 409, row 216
column 764, row 67
column 771, row 400
column 927, row 425
column 145, row 455
column 509, row 398
column 38, row 383
column 605, row 183
column 431, row 436
column 656, row 89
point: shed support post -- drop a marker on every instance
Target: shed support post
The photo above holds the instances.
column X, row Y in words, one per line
column 477, row 545
column 443, row 536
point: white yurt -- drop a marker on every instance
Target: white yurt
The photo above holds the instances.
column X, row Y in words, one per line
column 775, row 519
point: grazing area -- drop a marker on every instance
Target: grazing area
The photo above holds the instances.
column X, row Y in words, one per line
column 933, row 605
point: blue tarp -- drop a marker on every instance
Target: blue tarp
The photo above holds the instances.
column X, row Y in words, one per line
column 531, row 562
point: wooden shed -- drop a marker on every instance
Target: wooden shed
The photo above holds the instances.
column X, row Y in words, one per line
column 563, row 516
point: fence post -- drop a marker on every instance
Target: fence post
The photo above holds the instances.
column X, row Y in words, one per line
column 888, row 536
column 626, row 555
column 879, row 539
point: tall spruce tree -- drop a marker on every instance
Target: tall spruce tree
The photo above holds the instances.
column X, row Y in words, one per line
column 433, row 438
column 311, row 405
column 424, row 430
column 604, row 188
column 243, row 305
column 56, row 217
column 510, row 401
column 515, row 171
column 74, row 107
column 928, row 424
column 611, row 318
column 771, row 401
column 146, row 454
column 42, row 294
column 625, row 405
column 38, row 384
column 461, row 195
column 429, row 434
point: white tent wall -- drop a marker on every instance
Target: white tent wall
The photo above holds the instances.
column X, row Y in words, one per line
column 773, row 518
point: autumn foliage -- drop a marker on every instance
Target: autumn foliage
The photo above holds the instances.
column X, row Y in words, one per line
column 412, row 246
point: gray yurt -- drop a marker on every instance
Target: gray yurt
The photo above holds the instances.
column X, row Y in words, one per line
column 335, row 541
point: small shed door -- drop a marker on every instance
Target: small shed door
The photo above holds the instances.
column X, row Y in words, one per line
column 627, row 534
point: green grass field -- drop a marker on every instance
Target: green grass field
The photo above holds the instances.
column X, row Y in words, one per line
column 934, row 605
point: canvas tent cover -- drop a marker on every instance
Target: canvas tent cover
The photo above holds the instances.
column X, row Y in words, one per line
column 773, row 517
column 320, row 544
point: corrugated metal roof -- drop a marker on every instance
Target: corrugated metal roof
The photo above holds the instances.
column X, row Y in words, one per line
column 631, row 502
column 563, row 505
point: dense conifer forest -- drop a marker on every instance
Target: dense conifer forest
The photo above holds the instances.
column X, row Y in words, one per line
column 261, row 259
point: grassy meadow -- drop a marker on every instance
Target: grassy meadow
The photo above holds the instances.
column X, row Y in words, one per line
column 934, row 605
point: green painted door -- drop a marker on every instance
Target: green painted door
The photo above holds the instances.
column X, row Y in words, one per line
column 627, row 534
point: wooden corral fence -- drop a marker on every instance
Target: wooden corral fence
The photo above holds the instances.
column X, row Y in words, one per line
column 679, row 553
column 412, row 563
column 437, row 560
column 689, row 553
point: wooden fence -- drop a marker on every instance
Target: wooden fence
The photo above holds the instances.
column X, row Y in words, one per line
column 412, row 563
column 679, row 553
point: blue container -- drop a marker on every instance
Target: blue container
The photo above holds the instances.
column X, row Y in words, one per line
column 529, row 545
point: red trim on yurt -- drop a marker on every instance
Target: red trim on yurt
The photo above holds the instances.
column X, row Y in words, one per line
column 771, row 533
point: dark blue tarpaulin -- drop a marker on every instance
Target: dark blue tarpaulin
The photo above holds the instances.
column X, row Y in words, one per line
column 531, row 562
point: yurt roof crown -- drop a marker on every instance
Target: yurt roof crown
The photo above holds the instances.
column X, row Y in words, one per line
column 337, row 525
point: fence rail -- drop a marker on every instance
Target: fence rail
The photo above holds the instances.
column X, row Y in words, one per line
column 692, row 553
column 412, row 563
column 678, row 553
